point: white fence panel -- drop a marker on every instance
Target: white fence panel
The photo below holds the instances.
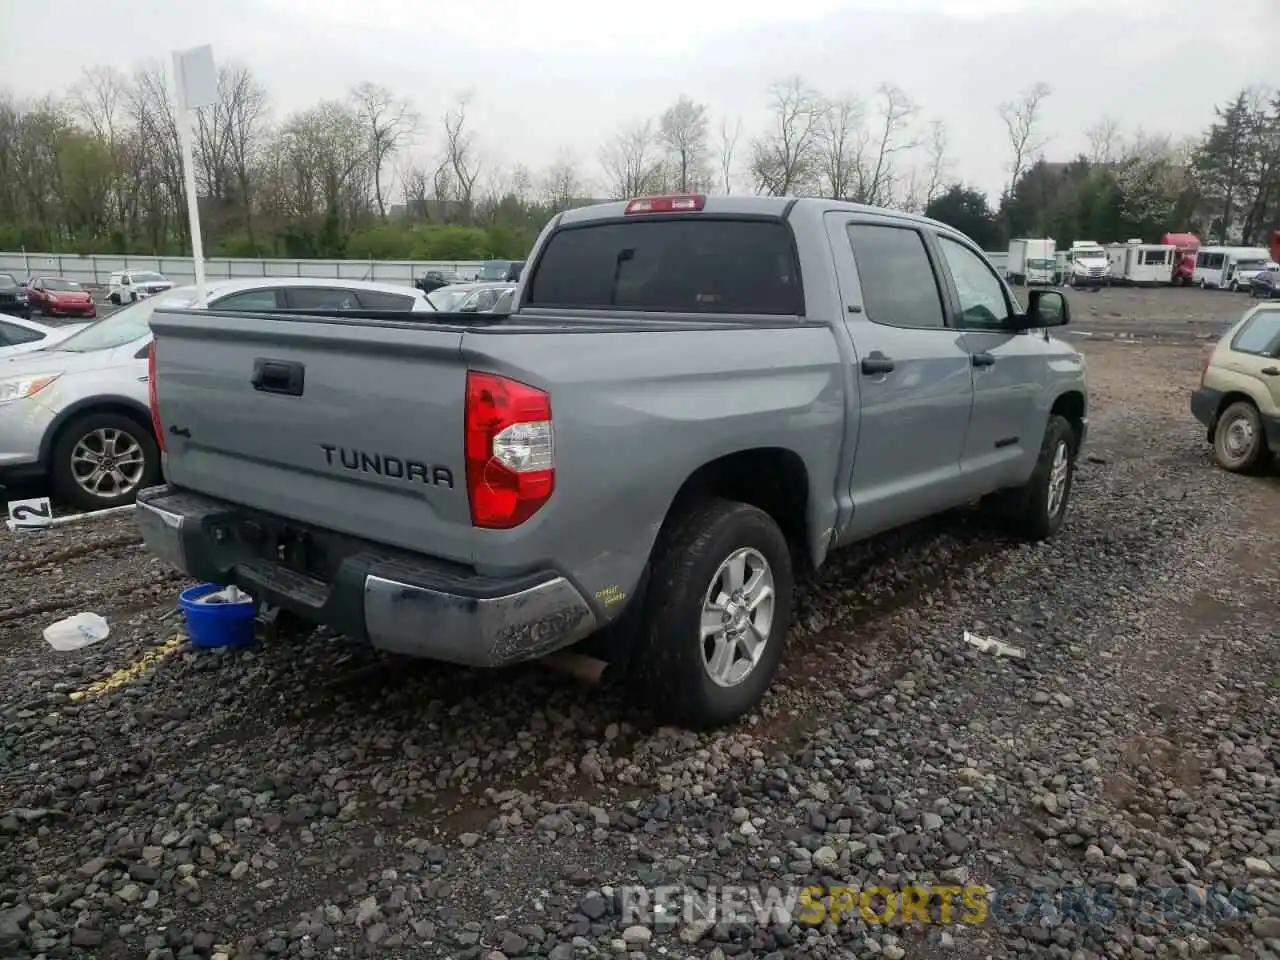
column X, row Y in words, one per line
column 97, row 269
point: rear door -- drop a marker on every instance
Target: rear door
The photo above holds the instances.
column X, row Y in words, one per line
column 352, row 425
column 913, row 373
column 1009, row 368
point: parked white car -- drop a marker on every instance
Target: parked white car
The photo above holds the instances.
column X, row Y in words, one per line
column 19, row 336
column 77, row 415
column 126, row 286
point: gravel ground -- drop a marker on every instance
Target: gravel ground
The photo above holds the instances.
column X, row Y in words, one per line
column 313, row 799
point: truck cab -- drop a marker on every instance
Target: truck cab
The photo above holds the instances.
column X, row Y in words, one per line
column 1087, row 265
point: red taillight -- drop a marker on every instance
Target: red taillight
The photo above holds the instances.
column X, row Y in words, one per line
column 511, row 469
column 151, row 396
column 678, row 203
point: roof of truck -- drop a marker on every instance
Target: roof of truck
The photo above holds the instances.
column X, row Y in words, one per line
column 749, row 205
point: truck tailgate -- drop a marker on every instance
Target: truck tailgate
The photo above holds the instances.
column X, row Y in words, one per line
column 351, row 425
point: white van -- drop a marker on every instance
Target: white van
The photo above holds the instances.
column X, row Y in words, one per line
column 1244, row 266
column 1216, row 266
column 126, row 286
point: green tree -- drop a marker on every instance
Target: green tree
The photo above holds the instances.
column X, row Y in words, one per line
column 966, row 209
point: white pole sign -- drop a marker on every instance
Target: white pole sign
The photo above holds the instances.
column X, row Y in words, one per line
column 195, row 81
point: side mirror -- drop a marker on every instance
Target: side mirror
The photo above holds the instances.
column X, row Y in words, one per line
column 1046, row 308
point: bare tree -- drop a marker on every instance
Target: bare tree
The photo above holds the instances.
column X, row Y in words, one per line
column 1106, row 141
column 631, row 163
column 1022, row 119
column 878, row 167
column 415, row 184
column 98, row 101
column 460, row 155
column 683, row 131
column 784, row 160
column 938, row 163
column 562, row 183
column 390, row 124
column 246, row 120
column 729, row 136
column 839, row 133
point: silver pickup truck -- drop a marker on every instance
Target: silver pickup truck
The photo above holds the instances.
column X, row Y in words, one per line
column 691, row 399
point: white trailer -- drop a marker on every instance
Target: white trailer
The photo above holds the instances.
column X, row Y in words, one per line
column 1136, row 262
column 1031, row 260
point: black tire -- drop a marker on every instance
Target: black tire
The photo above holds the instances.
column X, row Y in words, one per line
column 1240, row 457
column 668, row 662
column 115, row 298
column 63, row 471
column 1025, row 510
column 133, row 298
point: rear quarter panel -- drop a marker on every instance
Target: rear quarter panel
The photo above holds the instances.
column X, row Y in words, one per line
column 636, row 413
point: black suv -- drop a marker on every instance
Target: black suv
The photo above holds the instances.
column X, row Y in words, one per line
column 13, row 297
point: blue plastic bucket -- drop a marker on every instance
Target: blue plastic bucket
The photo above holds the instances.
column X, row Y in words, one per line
column 217, row 624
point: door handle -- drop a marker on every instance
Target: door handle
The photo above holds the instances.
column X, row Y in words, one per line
column 1271, row 371
column 877, row 362
column 983, row 359
column 285, row 377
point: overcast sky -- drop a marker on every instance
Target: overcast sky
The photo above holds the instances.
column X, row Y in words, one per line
column 552, row 75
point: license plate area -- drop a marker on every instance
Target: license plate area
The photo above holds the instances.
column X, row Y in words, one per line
column 291, row 547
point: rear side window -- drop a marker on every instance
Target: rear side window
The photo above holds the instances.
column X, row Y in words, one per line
column 898, row 284
column 249, row 300
column 11, row 334
column 377, row 300
column 672, row 266
column 1260, row 335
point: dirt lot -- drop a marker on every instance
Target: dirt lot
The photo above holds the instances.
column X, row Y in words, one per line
column 312, row 799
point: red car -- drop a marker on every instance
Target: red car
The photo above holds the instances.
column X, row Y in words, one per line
column 59, row 297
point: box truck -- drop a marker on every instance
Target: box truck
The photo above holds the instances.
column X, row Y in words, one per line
column 1030, row 261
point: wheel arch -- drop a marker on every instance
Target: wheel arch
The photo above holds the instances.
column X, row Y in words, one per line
column 774, row 479
column 1072, row 407
column 1226, row 400
column 88, row 407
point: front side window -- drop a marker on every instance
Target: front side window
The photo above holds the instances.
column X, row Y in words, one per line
column 982, row 302
column 377, row 300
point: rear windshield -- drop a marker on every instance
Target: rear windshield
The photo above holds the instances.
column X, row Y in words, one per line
column 691, row 265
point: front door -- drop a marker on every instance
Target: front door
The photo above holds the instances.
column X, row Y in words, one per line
column 912, row 374
column 1009, row 373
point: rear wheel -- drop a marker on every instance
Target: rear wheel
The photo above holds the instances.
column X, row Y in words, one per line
column 103, row 460
column 115, row 298
column 716, row 614
column 1238, row 441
